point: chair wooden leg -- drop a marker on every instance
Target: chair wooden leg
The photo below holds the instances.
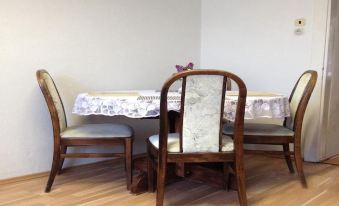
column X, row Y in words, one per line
column 150, row 170
column 161, row 182
column 54, row 170
column 63, row 150
column 299, row 165
column 128, row 161
column 288, row 159
column 241, row 185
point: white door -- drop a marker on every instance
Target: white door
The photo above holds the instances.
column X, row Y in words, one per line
column 331, row 91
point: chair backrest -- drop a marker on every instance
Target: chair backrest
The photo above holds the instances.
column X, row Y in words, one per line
column 202, row 109
column 299, row 98
column 53, row 100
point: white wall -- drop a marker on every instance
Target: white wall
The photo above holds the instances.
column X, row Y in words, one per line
column 256, row 40
column 86, row 45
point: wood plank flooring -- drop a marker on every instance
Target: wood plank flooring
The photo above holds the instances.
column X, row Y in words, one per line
column 333, row 160
column 268, row 183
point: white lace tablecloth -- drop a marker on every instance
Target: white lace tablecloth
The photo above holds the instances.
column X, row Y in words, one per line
column 146, row 103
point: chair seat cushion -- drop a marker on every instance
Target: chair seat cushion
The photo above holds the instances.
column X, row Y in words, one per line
column 261, row 130
column 173, row 144
column 97, row 131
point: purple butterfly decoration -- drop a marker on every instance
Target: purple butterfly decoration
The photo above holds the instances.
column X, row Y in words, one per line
column 181, row 68
column 190, row 65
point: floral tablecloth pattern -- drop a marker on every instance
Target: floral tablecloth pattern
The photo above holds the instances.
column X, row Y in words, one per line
column 146, row 103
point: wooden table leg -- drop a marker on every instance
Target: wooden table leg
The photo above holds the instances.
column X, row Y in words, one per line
column 139, row 180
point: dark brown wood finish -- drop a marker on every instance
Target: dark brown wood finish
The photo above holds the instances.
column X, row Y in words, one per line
column 222, row 106
column 182, row 109
column 286, row 140
column 161, row 157
column 61, row 144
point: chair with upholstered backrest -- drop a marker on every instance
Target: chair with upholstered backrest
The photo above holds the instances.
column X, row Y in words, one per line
column 290, row 131
column 81, row 135
column 199, row 136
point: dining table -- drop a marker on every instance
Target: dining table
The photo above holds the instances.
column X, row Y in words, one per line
column 146, row 103
column 142, row 104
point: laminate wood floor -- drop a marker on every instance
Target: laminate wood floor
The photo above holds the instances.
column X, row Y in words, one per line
column 268, row 183
column 333, row 160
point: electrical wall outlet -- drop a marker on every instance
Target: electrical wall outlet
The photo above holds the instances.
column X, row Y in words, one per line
column 300, row 22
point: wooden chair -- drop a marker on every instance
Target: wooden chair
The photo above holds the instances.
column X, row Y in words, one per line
column 81, row 135
column 290, row 131
column 199, row 138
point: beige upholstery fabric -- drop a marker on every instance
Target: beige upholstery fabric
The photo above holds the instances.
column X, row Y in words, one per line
column 298, row 93
column 173, row 144
column 261, row 130
column 202, row 110
column 56, row 99
column 97, row 131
